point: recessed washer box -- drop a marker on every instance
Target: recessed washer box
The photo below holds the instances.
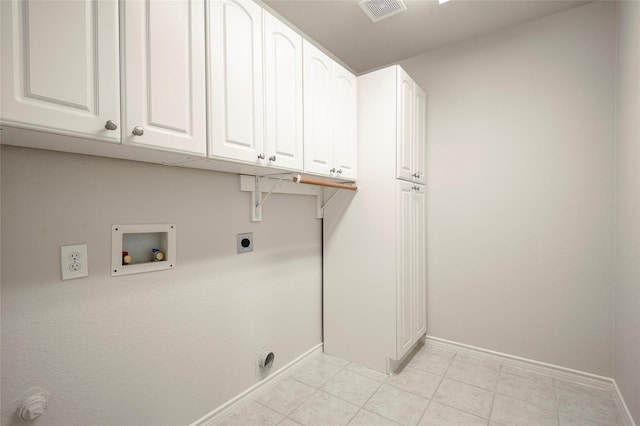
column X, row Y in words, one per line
column 137, row 249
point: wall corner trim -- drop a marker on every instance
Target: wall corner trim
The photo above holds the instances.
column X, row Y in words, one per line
column 554, row 371
column 257, row 390
column 628, row 419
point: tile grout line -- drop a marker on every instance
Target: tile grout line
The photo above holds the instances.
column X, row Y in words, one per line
column 455, row 354
column 360, row 408
column 286, row 415
column 269, row 408
column 495, row 392
column 555, row 399
column 384, row 382
column 540, row 406
column 467, row 384
column 515, row 397
column 369, row 399
column 319, row 389
column 580, row 415
column 438, row 387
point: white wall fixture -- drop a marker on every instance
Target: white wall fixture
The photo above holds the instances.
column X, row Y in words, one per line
column 142, row 248
column 377, row 10
column 266, row 359
column 74, row 261
column 33, row 405
column 245, row 242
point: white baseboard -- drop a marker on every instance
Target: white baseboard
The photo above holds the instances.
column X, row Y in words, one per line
column 256, row 390
column 563, row 373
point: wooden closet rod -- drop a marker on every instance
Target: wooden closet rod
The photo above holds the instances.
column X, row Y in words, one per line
column 299, row 179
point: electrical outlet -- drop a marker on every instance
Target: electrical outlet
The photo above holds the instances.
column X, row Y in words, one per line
column 74, row 261
column 244, row 242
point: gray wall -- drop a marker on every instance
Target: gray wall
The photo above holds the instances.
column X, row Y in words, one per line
column 520, row 189
column 162, row 348
column 627, row 331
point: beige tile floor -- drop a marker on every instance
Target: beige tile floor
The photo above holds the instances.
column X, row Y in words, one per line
column 436, row 387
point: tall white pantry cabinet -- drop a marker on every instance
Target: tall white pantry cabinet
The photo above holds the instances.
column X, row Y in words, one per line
column 374, row 292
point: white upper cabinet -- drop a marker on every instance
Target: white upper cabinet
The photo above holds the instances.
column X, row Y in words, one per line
column 223, row 80
column 60, row 67
column 411, row 129
column 345, row 116
column 405, row 125
column 255, row 86
column 236, row 110
column 318, row 84
column 283, row 95
column 329, row 116
column 164, row 75
column 420, row 144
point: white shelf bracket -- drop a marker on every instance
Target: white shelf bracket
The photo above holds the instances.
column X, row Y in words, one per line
column 256, row 202
column 333, row 197
column 261, row 188
column 319, row 206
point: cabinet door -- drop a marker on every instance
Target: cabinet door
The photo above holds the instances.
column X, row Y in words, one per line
column 60, row 66
column 419, row 260
column 405, row 293
column 420, row 140
column 235, row 80
column 405, row 125
column 283, row 94
column 164, row 74
column 345, row 120
column 318, row 90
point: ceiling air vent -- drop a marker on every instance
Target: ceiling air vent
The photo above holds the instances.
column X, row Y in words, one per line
column 380, row 9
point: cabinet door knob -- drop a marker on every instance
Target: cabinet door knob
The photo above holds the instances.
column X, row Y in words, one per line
column 332, row 170
column 416, row 175
column 110, row 125
column 272, row 158
column 339, row 171
column 416, row 188
column 138, row 131
column 261, row 156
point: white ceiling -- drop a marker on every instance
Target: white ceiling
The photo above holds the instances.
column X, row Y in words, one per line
column 342, row 28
